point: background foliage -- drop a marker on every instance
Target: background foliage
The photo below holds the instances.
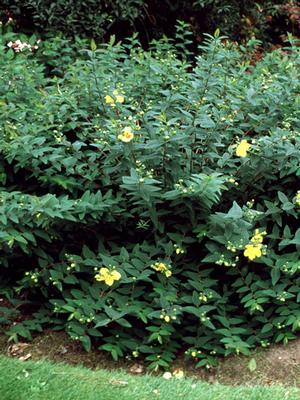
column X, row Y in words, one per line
column 267, row 20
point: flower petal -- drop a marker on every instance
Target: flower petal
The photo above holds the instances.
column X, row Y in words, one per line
column 116, row 275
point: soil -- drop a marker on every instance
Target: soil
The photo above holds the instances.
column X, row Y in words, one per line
column 276, row 365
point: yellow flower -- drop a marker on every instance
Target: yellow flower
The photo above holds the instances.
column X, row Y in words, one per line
column 163, row 268
column 119, row 97
column 127, row 135
column 110, row 100
column 159, row 267
column 108, row 276
column 258, row 237
column 253, row 251
column 194, row 353
column 242, row 148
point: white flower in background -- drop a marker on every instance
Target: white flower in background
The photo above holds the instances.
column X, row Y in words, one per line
column 167, row 375
column 19, row 46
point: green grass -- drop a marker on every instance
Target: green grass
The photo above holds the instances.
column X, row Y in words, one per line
column 45, row 381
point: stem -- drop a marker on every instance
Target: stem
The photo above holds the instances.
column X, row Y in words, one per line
column 201, row 99
column 97, row 82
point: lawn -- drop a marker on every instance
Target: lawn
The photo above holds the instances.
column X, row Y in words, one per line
column 45, row 381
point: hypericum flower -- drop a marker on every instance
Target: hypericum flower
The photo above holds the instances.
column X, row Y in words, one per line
column 108, row 276
column 163, row 268
column 159, row 266
column 242, row 148
column 118, row 98
column 258, row 237
column 110, row 100
column 253, row 251
column 127, row 135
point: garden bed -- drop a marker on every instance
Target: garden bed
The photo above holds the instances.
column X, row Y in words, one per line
column 278, row 365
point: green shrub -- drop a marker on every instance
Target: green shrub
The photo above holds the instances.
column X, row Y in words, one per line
column 149, row 206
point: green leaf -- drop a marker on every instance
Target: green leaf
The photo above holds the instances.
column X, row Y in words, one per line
column 102, row 322
column 275, row 275
column 217, row 33
column 86, row 342
column 93, row 45
column 235, row 212
column 267, row 328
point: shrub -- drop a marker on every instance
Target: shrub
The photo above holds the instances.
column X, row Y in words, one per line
column 150, row 206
